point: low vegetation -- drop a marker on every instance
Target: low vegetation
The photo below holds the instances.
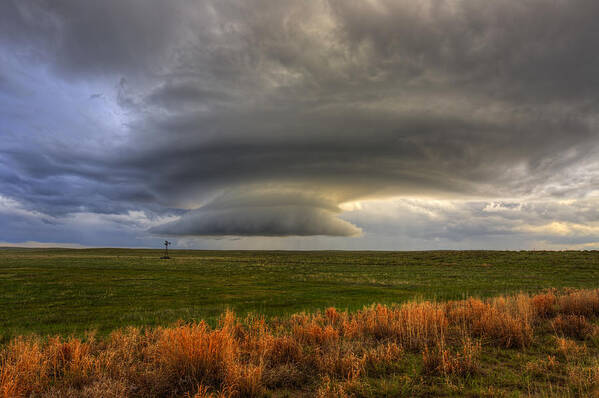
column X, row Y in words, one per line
column 534, row 345
column 68, row 292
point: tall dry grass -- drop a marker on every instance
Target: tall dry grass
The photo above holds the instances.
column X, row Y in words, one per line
column 328, row 352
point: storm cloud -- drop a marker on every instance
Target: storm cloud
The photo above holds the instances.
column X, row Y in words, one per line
column 271, row 119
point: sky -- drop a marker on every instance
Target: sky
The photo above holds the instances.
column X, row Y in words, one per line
column 300, row 124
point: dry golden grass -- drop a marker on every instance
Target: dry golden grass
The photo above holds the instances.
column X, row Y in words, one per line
column 569, row 349
column 575, row 326
column 441, row 360
column 579, row 302
column 544, row 304
column 326, row 353
column 584, row 379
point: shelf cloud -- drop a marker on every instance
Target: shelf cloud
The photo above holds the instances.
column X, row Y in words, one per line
column 271, row 221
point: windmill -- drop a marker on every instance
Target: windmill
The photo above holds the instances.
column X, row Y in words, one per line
column 166, row 245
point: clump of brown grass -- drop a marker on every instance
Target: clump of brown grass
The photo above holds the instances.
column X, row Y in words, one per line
column 313, row 333
column 569, row 349
column 381, row 356
column 281, row 350
column 339, row 363
column 331, row 388
column 544, row 304
column 575, row 326
column 284, row 376
column 584, row 379
column 334, row 349
column 202, row 392
column 24, row 369
column 245, row 381
column 333, row 316
column 441, row 360
column 579, row 302
column 505, row 321
column 413, row 325
column 194, row 353
column 542, row 366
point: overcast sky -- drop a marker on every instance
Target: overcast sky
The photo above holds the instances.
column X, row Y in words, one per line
column 308, row 124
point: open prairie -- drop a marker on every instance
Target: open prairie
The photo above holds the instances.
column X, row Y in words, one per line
column 72, row 291
column 291, row 324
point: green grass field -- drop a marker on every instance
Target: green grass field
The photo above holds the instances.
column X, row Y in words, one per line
column 71, row 291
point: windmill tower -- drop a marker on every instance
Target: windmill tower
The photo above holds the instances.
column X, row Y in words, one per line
column 166, row 245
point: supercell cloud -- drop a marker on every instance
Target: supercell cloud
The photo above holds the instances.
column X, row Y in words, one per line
column 300, row 124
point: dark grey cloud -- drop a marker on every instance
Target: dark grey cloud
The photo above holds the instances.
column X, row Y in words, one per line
column 262, row 117
column 78, row 39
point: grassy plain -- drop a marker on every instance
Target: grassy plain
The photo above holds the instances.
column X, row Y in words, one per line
column 71, row 291
column 516, row 345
